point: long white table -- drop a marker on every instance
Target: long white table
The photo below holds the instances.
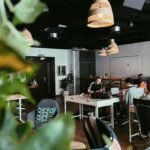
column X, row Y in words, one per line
column 97, row 103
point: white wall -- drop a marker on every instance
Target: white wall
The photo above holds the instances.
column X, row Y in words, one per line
column 141, row 50
column 61, row 58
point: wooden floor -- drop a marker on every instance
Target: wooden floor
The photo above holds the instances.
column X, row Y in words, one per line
column 121, row 131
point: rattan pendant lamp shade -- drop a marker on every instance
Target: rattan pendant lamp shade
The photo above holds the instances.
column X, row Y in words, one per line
column 113, row 48
column 102, row 52
column 100, row 14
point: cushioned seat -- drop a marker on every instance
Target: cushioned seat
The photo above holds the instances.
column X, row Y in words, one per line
column 46, row 110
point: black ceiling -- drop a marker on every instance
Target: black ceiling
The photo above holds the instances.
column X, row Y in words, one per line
column 134, row 25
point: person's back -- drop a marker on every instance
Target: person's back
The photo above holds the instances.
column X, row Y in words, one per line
column 132, row 92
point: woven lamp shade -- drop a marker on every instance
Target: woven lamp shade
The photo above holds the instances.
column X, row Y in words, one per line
column 102, row 52
column 113, row 48
column 100, row 14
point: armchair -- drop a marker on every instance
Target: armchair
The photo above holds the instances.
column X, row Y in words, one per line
column 44, row 112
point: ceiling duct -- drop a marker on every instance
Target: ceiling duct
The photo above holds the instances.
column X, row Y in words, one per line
column 135, row 4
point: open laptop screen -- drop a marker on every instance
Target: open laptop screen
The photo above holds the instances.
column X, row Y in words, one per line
column 115, row 90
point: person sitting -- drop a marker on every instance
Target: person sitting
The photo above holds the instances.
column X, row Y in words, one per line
column 147, row 96
column 142, row 83
column 132, row 92
column 96, row 86
column 96, row 90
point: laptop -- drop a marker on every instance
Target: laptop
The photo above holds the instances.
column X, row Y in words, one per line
column 99, row 95
column 115, row 91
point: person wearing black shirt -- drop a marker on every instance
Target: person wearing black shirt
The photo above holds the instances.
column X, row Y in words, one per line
column 96, row 88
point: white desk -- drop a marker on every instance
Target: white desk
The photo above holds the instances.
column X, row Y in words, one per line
column 97, row 103
column 19, row 98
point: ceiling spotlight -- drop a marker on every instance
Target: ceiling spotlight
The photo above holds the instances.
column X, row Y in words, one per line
column 62, row 26
column 47, row 29
column 54, row 35
column 115, row 28
column 131, row 24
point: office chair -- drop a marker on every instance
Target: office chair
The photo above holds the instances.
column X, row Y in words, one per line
column 46, row 110
column 95, row 129
column 142, row 109
column 143, row 113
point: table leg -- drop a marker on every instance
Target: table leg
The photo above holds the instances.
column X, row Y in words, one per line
column 20, row 111
column 80, row 113
column 65, row 107
column 96, row 112
column 130, row 132
column 82, row 110
column 112, row 115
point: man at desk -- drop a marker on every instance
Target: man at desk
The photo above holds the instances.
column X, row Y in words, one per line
column 96, row 87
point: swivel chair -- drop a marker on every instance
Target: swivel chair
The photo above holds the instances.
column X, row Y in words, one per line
column 143, row 113
column 142, row 109
column 95, row 129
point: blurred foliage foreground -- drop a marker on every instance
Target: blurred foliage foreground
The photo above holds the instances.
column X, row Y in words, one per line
column 55, row 135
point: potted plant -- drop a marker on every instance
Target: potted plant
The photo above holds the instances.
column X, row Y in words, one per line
column 64, row 85
column 15, row 135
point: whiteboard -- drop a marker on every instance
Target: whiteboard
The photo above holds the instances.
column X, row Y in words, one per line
column 122, row 67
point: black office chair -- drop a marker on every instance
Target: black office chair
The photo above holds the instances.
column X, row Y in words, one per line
column 142, row 108
column 143, row 114
column 46, row 110
column 95, row 129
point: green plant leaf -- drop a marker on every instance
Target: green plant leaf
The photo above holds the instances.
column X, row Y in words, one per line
column 14, row 86
column 7, row 126
column 10, row 60
column 23, row 130
column 26, row 11
column 10, row 36
column 54, row 135
column 12, row 132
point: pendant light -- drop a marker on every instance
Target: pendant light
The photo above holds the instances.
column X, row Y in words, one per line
column 113, row 48
column 102, row 52
column 100, row 14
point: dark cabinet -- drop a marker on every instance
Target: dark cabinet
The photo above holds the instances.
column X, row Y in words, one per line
column 87, row 69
